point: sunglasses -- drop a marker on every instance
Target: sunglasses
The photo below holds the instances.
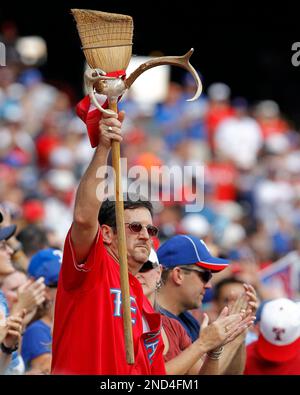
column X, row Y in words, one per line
column 146, row 267
column 204, row 275
column 136, row 227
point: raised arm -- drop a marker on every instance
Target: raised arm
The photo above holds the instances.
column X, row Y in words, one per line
column 88, row 197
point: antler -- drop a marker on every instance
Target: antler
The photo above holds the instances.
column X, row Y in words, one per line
column 114, row 87
column 181, row 61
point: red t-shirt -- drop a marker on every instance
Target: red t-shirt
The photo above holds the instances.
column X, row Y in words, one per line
column 177, row 336
column 88, row 327
column 45, row 144
column 271, row 127
column 216, row 113
column 255, row 364
column 222, row 178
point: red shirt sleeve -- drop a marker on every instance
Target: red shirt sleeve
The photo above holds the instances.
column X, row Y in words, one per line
column 74, row 275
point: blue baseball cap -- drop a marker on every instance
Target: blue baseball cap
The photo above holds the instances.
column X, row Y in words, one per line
column 183, row 250
column 7, row 232
column 46, row 263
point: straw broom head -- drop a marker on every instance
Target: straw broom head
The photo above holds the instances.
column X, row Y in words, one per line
column 106, row 38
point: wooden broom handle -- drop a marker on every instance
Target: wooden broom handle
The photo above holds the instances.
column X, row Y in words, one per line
column 122, row 247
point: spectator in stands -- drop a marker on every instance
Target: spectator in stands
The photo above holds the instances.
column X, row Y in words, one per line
column 23, row 294
column 277, row 350
column 188, row 267
column 225, row 292
column 11, row 362
column 33, row 238
column 239, row 137
column 180, row 354
column 37, row 339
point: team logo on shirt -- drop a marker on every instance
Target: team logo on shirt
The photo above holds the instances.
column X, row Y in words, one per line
column 117, row 299
column 151, row 342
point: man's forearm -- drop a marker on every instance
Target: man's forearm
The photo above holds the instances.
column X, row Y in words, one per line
column 90, row 193
column 210, row 367
column 87, row 205
column 238, row 362
column 88, row 201
column 232, row 352
column 186, row 360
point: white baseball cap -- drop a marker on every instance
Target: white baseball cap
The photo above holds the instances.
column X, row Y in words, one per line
column 196, row 225
column 218, row 91
column 279, row 338
column 152, row 262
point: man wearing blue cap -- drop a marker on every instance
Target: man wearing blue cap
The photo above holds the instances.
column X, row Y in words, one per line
column 188, row 267
column 46, row 263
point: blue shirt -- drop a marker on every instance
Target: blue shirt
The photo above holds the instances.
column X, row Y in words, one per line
column 37, row 341
column 190, row 324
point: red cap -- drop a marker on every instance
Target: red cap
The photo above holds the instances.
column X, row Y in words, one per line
column 279, row 338
column 276, row 353
column 33, row 210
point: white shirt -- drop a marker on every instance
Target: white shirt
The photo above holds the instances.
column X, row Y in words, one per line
column 239, row 139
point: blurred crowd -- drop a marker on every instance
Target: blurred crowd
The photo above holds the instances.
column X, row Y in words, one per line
column 251, row 158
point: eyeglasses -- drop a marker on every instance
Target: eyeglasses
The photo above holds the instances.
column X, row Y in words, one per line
column 136, row 227
column 205, row 275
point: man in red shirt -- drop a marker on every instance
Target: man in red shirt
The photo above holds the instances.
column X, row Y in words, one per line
column 277, row 350
column 88, row 327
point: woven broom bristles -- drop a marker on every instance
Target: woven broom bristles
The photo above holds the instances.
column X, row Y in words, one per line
column 106, row 38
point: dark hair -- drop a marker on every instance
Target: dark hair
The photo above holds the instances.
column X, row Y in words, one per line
column 218, row 286
column 33, row 239
column 107, row 214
